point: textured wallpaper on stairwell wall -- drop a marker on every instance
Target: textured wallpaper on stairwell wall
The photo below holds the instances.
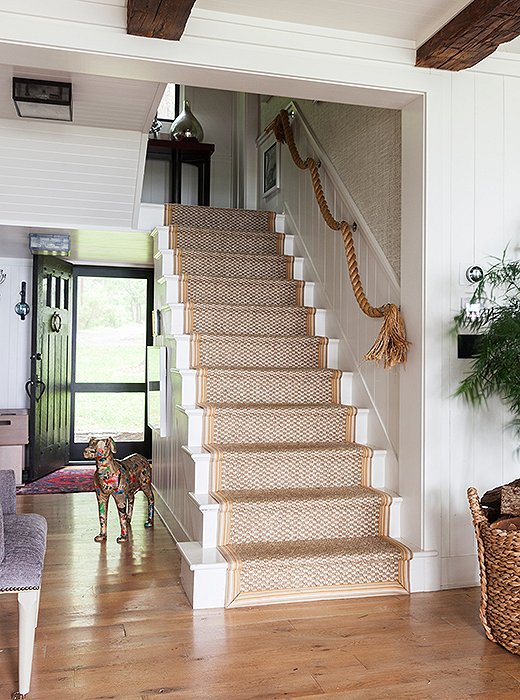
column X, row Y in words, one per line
column 364, row 145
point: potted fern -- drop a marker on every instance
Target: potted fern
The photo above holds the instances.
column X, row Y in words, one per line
column 495, row 371
column 496, row 364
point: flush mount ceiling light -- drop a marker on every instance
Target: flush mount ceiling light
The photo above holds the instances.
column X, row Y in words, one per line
column 43, row 99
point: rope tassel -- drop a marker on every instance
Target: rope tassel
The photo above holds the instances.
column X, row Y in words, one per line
column 391, row 345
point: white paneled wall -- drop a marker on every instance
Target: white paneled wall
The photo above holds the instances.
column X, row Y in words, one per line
column 484, row 219
column 16, row 344
column 325, row 263
column 67, row 175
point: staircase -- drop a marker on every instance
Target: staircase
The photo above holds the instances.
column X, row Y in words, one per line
column 273, row 486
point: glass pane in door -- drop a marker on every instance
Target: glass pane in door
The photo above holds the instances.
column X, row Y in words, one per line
column 111, row 330
column 120, row 416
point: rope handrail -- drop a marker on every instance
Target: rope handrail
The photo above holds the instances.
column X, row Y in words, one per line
column 391, row 345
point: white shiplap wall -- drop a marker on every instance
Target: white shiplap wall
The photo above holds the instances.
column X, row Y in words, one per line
column 16, row 342
column 68, row 175
column 484, row 217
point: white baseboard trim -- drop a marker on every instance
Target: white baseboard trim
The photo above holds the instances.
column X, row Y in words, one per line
column 459, row 571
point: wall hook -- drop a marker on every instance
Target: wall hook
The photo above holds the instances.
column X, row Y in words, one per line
column 22, row 308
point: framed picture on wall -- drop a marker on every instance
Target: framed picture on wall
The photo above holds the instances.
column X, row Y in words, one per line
column 270, row 161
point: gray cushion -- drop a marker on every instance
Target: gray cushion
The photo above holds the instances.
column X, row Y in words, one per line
column 7, row 491
column 1, row 534
column 25, row 538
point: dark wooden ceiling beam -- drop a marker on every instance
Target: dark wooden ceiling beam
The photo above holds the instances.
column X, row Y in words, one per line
column 160, row 19
column 472, row 35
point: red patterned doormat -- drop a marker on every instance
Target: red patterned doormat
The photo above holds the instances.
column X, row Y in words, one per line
column 65, row 480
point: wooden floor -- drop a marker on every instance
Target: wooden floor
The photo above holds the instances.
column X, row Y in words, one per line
column 114, row 623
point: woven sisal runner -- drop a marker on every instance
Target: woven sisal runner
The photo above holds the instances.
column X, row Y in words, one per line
column 297, row 517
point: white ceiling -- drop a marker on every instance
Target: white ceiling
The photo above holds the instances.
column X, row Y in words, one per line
column 413, row 20
column 114, row 103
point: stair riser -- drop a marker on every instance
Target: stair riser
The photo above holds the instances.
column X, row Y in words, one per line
column 255, row 387
column 237, row 243
column 262, row 469
column 185, row 353
column 162, row 240
column 179, row 319
column 304, row 520
column 175, row 290
column 265, row 352
column 219, row 218
column 166, row 263
column 247, row 267
column 250, row 321
column 194, row 387
column 195, row 427
column 364, row 576
column 277, row 426
column 208, row 528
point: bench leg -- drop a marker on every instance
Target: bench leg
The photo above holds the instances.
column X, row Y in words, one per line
column 28, row 603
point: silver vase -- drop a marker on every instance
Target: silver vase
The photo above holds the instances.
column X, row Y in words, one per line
column 186, row 125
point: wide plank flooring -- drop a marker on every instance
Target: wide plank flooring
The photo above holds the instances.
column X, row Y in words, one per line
column 114, row 623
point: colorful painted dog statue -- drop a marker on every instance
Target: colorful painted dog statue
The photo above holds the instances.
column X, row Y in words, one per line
column 120, row 478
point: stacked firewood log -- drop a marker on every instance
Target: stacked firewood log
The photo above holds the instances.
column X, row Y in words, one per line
column 502, row 506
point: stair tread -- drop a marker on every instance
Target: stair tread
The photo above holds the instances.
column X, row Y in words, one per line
column 280, row 406
column 246, row 281
column 231, row 256
column 287, row 447
column 274, row 370
column 255, row 307
column 259, row 336
column 344, row 493
column 268, row 235
column 340, row 547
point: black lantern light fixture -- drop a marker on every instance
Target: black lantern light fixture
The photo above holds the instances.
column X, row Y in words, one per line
column 43, row 99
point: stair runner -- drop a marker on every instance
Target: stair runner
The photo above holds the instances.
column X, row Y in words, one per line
column 297, row 515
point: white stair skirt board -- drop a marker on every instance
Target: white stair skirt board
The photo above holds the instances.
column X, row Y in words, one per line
column 203, row 575
column 424, row 570
column 161, row 238
column 204, row 518
column 200, row 459
column 378, row 477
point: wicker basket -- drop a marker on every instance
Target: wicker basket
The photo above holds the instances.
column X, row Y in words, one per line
column 499, row 561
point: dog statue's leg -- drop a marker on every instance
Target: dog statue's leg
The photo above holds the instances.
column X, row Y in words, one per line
column 120, row 499
column 129, row 507
column 103, row 515
column 148, row 492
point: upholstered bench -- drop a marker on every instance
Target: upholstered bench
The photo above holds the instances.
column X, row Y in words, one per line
column 22, row 550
